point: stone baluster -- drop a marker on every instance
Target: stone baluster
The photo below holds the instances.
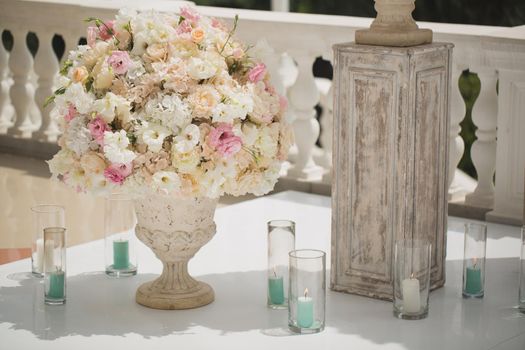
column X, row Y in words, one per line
column 303, row 96
column 456, row 144
column 6, row 109
column 483, row 152
column 327, row 123
column 21, row 92
column 46, row 66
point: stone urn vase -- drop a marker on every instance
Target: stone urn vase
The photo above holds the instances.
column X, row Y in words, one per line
column 175, row 229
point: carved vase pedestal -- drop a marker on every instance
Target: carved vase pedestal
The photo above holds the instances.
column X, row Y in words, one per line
column 391, row 117
column 175, row 229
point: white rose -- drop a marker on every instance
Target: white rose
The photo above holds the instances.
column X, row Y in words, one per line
column 110, row 103
column 200, row 69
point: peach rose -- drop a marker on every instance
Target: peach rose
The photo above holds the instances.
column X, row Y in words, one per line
column 93, row 163
column 197, row 35
column 80, row 74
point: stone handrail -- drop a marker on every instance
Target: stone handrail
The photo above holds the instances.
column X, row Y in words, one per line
column 496, row 54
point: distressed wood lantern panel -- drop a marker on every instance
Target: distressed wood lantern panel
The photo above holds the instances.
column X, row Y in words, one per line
column 390, row 159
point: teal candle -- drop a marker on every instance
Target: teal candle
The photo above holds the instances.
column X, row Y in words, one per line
column 473, row 282
column 276, row 290
column 121, row 255
column 56, row 285
column 305, row 311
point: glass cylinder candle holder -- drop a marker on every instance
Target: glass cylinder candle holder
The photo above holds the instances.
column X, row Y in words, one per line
column 55, row 265
column 521, row 293
column 119, row 228
column 307, row 291
column 474, row 260
column 281, row 241
column 44, row 216
column 412, row 260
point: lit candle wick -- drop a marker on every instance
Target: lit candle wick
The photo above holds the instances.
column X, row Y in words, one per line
column 412, row 276
column 306, row 292
column 274, row 272
column 475, row 260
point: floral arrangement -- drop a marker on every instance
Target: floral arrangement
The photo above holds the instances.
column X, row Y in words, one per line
column 171, row 104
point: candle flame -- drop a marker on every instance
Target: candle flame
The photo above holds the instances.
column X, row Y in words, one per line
column 274, row 272
column 305, row 292
column 412, row 276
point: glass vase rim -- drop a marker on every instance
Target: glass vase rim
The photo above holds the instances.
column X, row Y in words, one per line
column 320, row 254
column 281, row 223
column 475, row 224
column 55, row 229
column 47, row 208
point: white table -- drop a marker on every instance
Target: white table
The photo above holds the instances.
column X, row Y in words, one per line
column 101, row 313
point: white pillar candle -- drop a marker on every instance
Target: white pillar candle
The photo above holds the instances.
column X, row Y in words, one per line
column 40, row 255
column 411, row 299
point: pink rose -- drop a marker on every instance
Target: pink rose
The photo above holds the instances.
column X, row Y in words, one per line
column 97, row 127
column 257, row 73
column 223, row 140
column 71, row 113
column 190, row 14
column 120, row 61
column 92, row 36
column 184, row 27
column 117, row 173
column 216, row 23
column 106, row 30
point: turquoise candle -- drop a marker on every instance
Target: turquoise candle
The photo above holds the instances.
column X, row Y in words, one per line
column 305, row 311
column 473, row 283
column 56, row 285
column 121, row 255
column 276, row 290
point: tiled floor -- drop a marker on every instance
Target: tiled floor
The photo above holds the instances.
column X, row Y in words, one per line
column 25, row 182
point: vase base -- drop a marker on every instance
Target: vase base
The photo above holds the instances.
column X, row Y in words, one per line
column 153, row 298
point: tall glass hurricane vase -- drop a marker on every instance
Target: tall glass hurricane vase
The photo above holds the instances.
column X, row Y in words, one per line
column 44, row 216
column 307, row 291
column 474, row 260
column 120, row 241
column 281, row 241
column 412, row 260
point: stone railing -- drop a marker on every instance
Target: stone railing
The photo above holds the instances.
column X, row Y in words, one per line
column 496, row 54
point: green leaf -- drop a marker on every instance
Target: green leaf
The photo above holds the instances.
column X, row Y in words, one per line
column 65, row 67
column 181, row 19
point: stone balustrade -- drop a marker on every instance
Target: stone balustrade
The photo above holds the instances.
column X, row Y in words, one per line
column 496, row 54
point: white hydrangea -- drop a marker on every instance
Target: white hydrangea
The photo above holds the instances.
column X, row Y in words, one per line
column 169, row 111
column 82, row 100
column 115, row 147
column 77, row 137
column 237, row 106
